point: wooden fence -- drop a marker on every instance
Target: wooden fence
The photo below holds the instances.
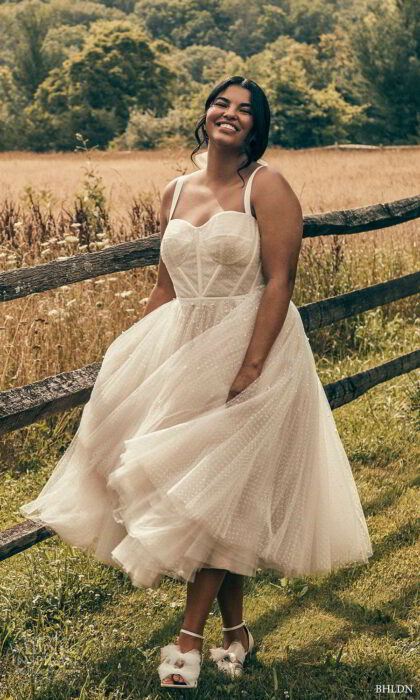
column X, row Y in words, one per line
column 27, row 404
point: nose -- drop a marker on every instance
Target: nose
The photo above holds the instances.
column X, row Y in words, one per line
column 230, row 112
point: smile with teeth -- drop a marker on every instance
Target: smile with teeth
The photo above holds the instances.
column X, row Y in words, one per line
column 227, row 126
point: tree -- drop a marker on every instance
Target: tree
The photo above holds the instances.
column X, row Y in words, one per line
column 95, row 89
column 12, row 105
column 307, row 109
column 29, row 69
column 387, row 45
column 310, row 19
column 26, row 36
column 61, row 42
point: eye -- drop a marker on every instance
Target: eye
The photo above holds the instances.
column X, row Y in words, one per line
column 246, row 110
column 223, row 104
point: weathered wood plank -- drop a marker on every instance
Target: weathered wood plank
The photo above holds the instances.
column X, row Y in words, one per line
column 28, row 533
column 27, row 404
column 22, row 536
column 362, row 219
column 319, row 314
column 33, row 402
column 146, row 251
column 350, row 388
column 40, row 278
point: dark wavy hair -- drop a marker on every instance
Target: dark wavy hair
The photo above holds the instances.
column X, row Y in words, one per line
column 257, row 139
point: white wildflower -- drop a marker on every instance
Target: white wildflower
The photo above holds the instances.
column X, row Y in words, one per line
column 71, row 239
column 18, row 224
column 124, row 294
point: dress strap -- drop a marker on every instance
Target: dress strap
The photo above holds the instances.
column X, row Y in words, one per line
column 247, row 195
column 178, row 187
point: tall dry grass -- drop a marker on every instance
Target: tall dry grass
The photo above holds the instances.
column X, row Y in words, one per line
column 53, row 206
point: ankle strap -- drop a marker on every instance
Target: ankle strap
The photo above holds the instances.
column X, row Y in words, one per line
column 228, row 629
column 193, row 634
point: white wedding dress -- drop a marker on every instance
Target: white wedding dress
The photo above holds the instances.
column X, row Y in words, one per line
column 163, row 477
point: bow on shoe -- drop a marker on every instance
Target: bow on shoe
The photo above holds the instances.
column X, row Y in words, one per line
column 229, row 660
column 186, row 664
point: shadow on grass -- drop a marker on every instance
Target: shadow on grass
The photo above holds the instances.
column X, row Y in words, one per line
column 325, row 596
column 126, row 673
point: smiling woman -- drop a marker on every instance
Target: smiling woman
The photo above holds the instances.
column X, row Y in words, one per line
column 208, row 448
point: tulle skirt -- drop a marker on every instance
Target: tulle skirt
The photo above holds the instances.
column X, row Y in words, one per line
column 163, row 477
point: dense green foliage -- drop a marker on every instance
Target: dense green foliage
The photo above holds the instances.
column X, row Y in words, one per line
column 130, row 74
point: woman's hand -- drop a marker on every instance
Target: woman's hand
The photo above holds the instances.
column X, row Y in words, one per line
column 246, row 375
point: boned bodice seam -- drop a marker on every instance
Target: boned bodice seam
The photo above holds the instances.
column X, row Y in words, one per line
column 224, row 211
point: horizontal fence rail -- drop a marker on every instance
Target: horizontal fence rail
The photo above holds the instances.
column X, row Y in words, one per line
column 145, row 251
column 24, row 535
column 27, row 404
column 345, row 390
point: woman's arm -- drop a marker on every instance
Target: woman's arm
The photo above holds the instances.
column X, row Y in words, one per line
column 163, row 289
column 280, row 222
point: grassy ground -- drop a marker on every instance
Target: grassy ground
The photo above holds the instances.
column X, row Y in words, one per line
column 71, row 627
column 75, row 628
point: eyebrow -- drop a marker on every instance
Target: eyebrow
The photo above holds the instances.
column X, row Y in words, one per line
column 243, row 104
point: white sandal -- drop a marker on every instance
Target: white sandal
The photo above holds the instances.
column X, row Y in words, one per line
column 173, row 660
column 231, row 660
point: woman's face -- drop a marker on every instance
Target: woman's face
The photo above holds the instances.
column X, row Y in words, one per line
column 231, row 106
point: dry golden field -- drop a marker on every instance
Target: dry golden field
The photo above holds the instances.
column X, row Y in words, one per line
column 323, row 179
column 69, row 327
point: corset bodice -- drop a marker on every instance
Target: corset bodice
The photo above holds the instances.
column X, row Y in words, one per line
column 220, row 258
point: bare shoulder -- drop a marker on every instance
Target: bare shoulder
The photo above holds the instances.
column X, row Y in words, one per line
column 277, row 210
column 270, row 185
column 168, row 190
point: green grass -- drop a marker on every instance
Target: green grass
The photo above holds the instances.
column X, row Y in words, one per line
column 72, row 627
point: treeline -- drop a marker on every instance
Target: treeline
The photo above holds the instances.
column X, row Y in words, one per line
column 135, row 74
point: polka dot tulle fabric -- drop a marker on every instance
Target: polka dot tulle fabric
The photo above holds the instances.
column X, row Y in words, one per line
column 163, row 477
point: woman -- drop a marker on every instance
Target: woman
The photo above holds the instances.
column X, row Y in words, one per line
column 208, row 448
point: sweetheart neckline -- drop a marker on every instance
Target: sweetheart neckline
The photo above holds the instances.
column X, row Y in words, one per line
column 224, row 211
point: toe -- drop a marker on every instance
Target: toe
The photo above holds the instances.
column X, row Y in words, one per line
column 178, row 679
